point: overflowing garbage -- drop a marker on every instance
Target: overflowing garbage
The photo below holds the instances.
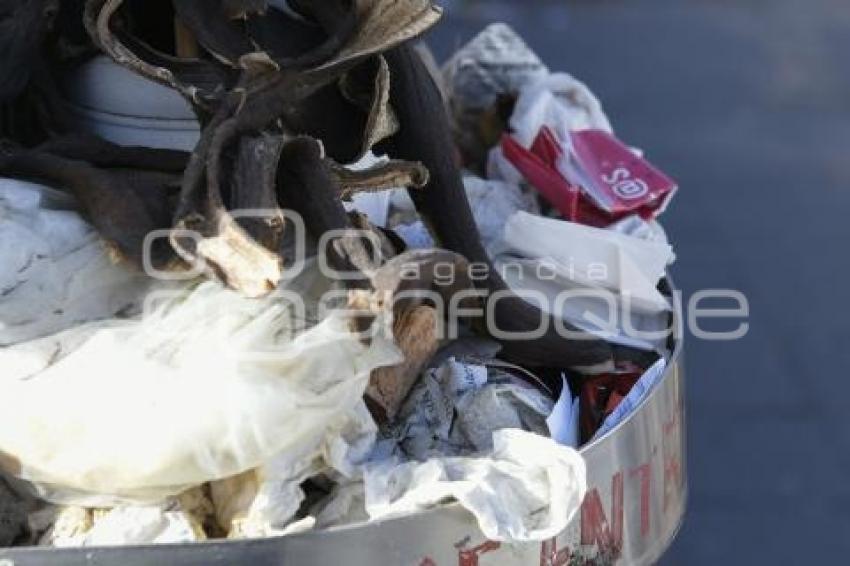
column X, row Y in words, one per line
column 374, row 286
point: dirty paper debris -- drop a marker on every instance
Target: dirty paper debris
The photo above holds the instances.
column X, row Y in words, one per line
column 122, row 526
column 528, row 488
column 478, row 435
column 454, row 409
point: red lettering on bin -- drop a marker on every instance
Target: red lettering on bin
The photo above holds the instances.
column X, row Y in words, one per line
column 595, row 528
column 470, row 557
column 551, row 556
column 645, row 474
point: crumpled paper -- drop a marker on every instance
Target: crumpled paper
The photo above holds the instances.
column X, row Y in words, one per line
column 550, row 257
column 208, row 385
column 494, row 66
column 559, row 101
column 167, row 523
column 460, row 436
column 492, row 204
column 527, row 489
column 56, row 272
column 478, row 435
column 454, row 409
column 264, row 502
column 497, row 61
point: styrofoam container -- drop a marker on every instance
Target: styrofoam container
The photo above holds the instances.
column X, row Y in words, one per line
column 112, row 102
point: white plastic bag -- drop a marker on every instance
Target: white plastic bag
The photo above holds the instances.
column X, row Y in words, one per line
column 207, row 386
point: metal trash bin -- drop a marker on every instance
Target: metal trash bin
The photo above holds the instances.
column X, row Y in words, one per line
column 637, row 492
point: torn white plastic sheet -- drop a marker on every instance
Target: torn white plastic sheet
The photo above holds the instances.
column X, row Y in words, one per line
column 560, row 102
column 592, row 257
column 207, row 386
column 527, row 489
column 601, row 281
column 55, row 272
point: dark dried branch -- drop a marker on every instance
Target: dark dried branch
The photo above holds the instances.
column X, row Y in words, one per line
column 425, row 136
column 101, row 153
column 305, row 185
column 187, row 78
column 212, row 23
column 125, row 205
column 381, row 177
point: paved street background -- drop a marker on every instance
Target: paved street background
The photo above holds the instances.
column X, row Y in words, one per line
column 747, row 104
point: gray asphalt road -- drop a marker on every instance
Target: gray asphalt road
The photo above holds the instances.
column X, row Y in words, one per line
column 747, row 104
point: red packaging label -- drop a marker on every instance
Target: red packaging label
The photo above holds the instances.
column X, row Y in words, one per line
column 617, row 179
column 541, row 173
column 593, row 179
